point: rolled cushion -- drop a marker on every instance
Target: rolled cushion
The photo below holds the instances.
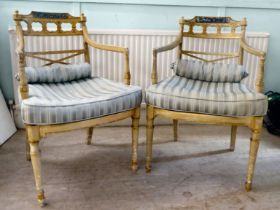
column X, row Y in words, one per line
column 58, row 73
column 214, row 98
column 210, row 72
column 84, row 99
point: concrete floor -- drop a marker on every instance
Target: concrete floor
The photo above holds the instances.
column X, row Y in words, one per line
column 198, row 172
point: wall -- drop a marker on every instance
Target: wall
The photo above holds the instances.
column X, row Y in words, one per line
column 263, row 16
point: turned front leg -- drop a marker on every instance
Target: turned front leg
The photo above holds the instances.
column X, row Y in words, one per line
column 36, row 164
column 149, row 137
column 34, row 138
column 254, row 146
column 135, row 135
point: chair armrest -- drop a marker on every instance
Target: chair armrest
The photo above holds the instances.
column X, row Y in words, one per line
column 170, row 46
column 252, row 50
column 259, row 84
column 111, row 48
column 102, row 46
column 106, row 47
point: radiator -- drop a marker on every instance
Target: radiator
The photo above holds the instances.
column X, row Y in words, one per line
column 140, row 44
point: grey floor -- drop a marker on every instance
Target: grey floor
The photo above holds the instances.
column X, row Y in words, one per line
column 197, row 172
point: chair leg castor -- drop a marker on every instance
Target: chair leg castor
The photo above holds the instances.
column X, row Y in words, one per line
column 41, row 199
column 248, row 186
column 134, row 166
column 148, row 168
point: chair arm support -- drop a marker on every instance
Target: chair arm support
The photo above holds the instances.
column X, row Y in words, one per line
column 260, row 73
column 23, row 84
column 170, row 46
column 111, row 48
column 154, row 68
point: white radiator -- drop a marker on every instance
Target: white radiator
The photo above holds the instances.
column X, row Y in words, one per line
column 140, row 44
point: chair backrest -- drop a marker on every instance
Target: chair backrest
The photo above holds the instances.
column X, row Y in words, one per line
column 44, row 20
column 214, row 28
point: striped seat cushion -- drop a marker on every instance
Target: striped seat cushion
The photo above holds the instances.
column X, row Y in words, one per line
column 211, row 72
column 57, row 73
column 187, row 95
column 78, row 100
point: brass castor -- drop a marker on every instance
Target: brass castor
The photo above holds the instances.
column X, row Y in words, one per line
column 248, row 186
column 41, row 199
column 134, row 167
column 148, row 168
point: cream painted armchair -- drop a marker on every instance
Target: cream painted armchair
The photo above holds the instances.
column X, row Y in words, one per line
column 60, row 97
column 207, row 89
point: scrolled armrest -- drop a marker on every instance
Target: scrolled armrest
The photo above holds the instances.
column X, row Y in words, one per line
column 102, row 46
column 170, row 46
column 252, row 50
column 106, row 47
column 111, row 48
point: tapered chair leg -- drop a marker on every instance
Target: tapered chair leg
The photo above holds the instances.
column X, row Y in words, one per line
column 34, row 138
column 149, row 137
column 135, row 136
column 233, row 137
column 89, row 135
column 175, row 130
column 27, row 148
column 254, row 146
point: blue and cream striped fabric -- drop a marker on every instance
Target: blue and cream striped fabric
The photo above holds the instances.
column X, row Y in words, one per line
column 215, row 98
column 211, row 72
column 54, row 103
column 58, row 73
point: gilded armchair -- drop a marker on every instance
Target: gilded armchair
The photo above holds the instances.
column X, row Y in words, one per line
column 206, row 90
column 60, row 96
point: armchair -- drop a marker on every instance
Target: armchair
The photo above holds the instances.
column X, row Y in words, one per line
column 60, row 96
column 206, row 89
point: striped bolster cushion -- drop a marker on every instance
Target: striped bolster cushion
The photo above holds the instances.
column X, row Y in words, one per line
column 210, row 72
column 57, row 73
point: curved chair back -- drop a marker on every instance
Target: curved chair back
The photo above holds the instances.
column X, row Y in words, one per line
column 50, row 24
column 214, row 28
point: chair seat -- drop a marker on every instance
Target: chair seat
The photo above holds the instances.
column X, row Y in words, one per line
column 187, row 95
column 54, row 103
